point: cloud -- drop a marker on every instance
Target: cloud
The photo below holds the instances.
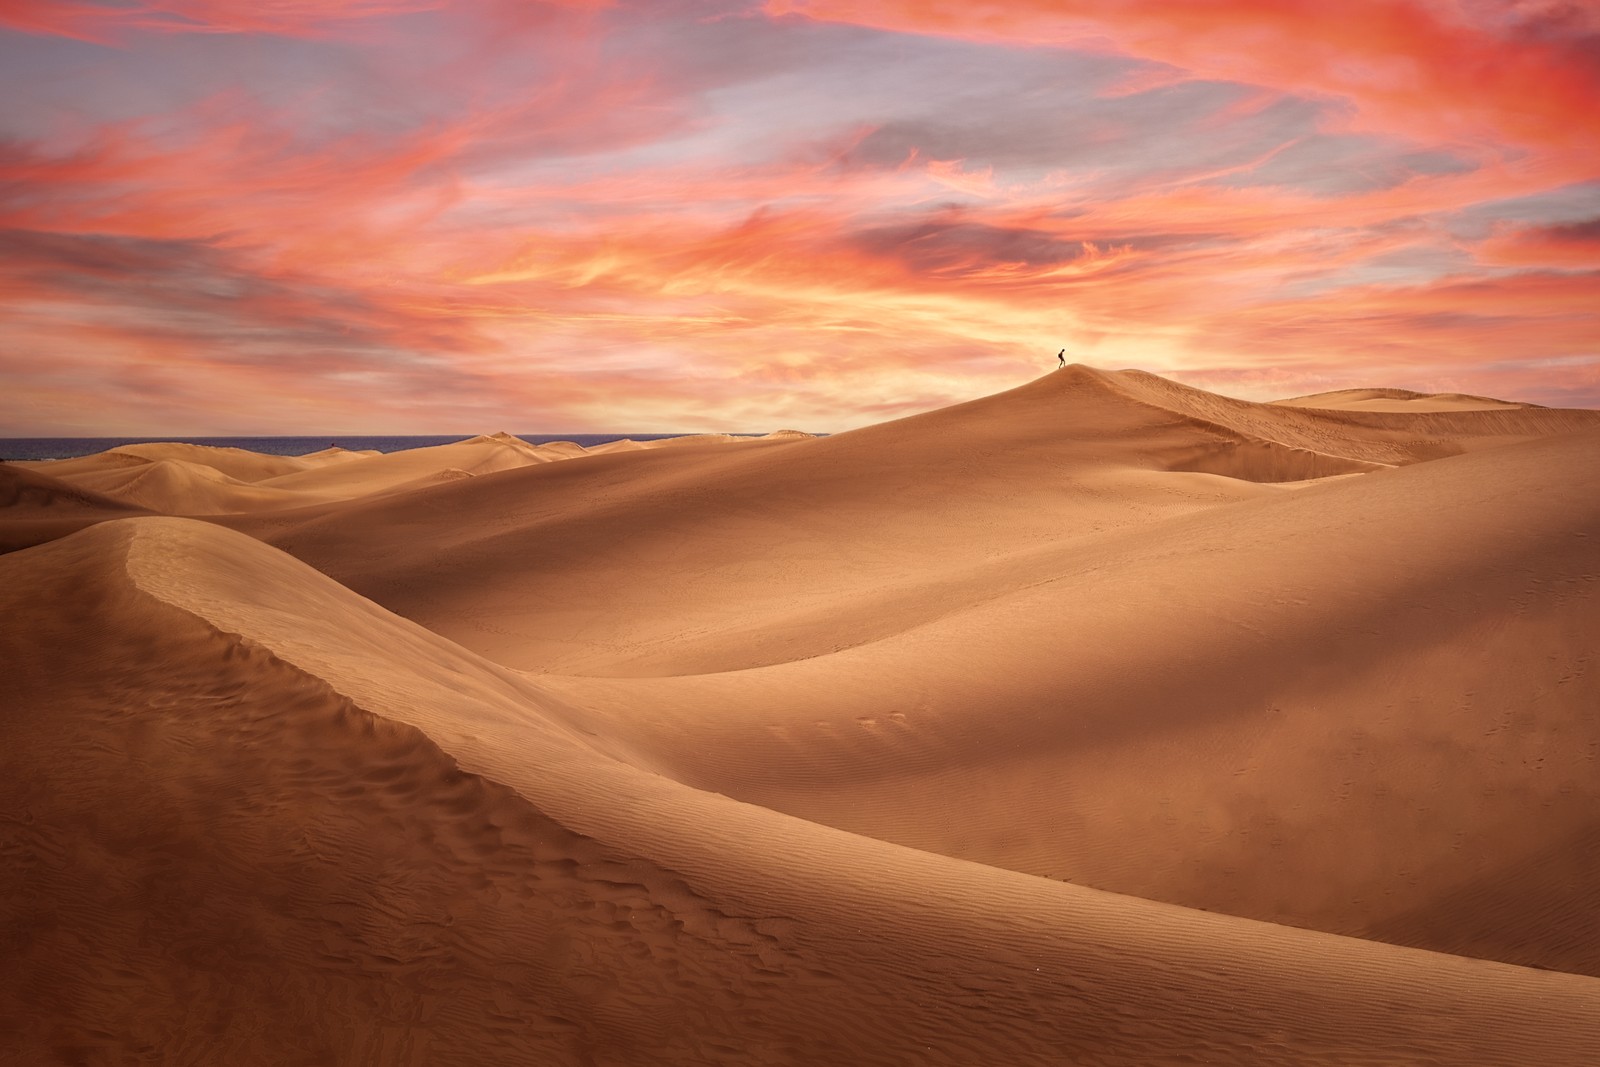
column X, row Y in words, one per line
column 1574, row 246
column 122, row 315
column 1435, row 337
column 690, row 215
column 1431, row 71
column 104, row 23
column 949, row 243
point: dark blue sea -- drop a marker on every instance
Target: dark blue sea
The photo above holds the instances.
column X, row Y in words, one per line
column 32, row 448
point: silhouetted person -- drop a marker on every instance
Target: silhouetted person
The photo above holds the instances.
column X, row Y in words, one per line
column 1061, row 358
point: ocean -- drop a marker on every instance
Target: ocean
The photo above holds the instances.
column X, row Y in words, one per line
column 36, row 448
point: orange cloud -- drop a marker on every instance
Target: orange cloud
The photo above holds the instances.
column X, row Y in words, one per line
column 1426, row 70
column 1575, row 246
column 103, row 23
column 1429, row 336
column 589, row 243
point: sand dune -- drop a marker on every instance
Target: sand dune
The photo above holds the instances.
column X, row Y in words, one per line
column 1398, row 400
column 634, row 563
column 236, row 463
column 24, row 491
column 325, row 834
column 477, row 455
column 203, row 480
column 35, row 508
column 1223, row 709
column 1100, row 721
column 187, row 479
column 180, row 487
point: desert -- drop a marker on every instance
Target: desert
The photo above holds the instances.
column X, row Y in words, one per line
column 1102, row 720
column 799, row 533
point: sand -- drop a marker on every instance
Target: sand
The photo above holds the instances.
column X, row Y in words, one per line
column 1102, row 721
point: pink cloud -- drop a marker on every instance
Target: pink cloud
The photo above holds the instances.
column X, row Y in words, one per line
column 1574, row 246
column 107, row 22
column 581, row 225
column 1419, row 69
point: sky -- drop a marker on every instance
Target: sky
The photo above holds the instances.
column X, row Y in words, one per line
column 425, row 216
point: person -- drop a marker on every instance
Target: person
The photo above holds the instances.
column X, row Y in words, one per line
column 1061, row 358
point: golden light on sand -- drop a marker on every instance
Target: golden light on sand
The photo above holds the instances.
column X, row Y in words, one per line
column 1102, row 720
column 906, row 690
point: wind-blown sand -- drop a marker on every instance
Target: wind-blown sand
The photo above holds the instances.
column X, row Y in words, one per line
column 1102, row 721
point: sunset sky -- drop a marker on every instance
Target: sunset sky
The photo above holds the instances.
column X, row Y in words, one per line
column 424, row 216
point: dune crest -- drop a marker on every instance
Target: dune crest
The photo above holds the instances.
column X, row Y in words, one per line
column 529, row 896
column 826, row 543
column 1103, row 720
column 210, row 481
column 24, row 491
column 1399, row 400
column 1226, row 699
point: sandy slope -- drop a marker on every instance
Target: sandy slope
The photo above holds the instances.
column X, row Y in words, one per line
column 35, row 507
column 985, row 631
column 642, row 790
column 589, row 567
column 236, row 463
column 1398, row 400
column 25, row 492
column 712, row 559
column 186, row 479
column 1328, row 708
column 264, row 821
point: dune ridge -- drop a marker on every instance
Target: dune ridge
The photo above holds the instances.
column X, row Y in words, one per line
column 1101, row 721
column 1408, row 400
column 206, row 480
column 560, row 903
column 36, row 508
column 24, row 491
column 962, row 499
column 1437, row 426
column 1288, row 682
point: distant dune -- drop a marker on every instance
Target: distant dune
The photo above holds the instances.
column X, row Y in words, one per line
column 1398, row 400
column 1101, row 721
